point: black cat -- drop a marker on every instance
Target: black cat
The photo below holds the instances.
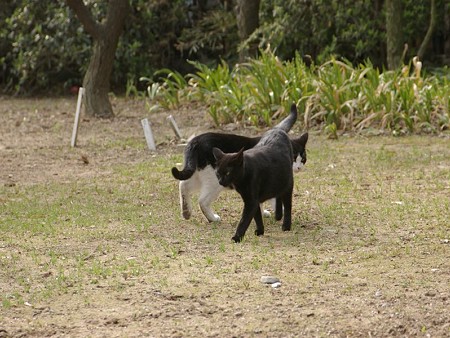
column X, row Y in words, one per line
column 198, row 172
column 261, row 173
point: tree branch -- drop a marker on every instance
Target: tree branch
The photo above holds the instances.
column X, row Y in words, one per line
column 430, row 30
column 85, row 17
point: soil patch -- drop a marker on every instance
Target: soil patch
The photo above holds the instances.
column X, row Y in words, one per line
column 93, row 244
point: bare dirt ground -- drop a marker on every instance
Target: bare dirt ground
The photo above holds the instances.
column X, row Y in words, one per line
column 353, row 278
column 32, row 129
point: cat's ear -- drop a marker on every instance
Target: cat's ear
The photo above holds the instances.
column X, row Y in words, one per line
column 303, row 139
column 299, row 143
column 218, row 154
column 240, row 156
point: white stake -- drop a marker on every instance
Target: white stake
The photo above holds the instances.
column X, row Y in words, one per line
column 174, row 126
column 148, row 134
column 73, row 142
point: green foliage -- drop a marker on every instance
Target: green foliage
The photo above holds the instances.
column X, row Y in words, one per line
column 46, row 48
column 354, row 30
column 416, row 19
column 322, row 28
column 43, row 46
column 172, row 87
column 148, row 41
column 335, row 95
column 214, row 34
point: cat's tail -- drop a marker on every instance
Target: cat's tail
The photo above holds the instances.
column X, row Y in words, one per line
column 289, row 121
column 190, row 165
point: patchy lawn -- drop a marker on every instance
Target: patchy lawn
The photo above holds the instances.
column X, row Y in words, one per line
column 93, row 244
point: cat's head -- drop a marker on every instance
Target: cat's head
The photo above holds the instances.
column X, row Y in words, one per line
column 228, row 166
column 299, row 148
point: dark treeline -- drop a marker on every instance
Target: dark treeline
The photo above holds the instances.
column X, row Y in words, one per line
column 44, row 47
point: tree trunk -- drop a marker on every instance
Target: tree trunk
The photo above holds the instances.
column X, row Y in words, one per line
column 247, row 15
column 447, row 34
column 105, row 39
column 426, row 40
column 394, row 33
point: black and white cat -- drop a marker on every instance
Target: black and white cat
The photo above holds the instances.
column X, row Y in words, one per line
column 198, row 173
column 258, row 174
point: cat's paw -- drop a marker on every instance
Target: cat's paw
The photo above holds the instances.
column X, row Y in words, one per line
column 186, row 214
column 259, row 232
column 237, row 239
column 278, row 217
column 214, row 218
column 286, row 227
column 266, row 213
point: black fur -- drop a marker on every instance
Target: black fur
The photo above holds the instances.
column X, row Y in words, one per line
column 259, row 174
column 198, row 153
column 299, row 147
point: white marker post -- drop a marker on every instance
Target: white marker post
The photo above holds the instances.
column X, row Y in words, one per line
column 174, row 126
column 73, row 142
column 148, row 134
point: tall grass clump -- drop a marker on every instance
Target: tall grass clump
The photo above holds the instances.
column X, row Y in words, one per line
column 169, row 88
column 219, row 88
column 251, row 92
column 335, row 96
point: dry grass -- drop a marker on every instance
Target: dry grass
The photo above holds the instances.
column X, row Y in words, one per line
column 101, row 250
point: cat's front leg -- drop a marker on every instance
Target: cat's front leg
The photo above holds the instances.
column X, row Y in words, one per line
column 209, row 214
column 247, row 216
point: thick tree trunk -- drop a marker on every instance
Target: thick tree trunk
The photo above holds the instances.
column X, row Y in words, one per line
column 96, row 80
column 247, row 15
column 105, row 39
column 394, row 33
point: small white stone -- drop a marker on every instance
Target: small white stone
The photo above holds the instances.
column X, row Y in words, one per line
column 276, row 285
column 269, row 280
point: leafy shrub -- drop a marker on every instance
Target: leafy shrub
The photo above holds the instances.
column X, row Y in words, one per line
column 214, row 33
column 44, row 50
column 351, row 29
column 334, row 95
column 44, row 47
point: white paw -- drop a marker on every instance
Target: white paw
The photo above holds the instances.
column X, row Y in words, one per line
column 266, row 213
column 216, row 218
column 213, row 218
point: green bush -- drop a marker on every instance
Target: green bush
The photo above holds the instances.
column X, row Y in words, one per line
column 42, row 50
column 322, row 28
column 214, row 33
column 44, row 47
